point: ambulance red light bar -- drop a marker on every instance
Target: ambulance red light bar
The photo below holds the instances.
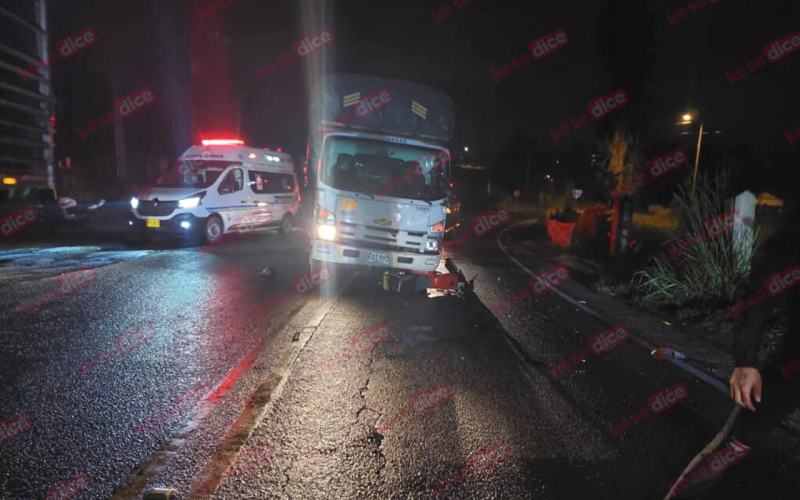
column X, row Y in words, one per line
column 222, row 142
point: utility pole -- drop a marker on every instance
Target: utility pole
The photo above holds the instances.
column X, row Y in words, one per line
column 697, row 157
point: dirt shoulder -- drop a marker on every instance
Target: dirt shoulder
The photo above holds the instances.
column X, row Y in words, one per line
column 703, row 331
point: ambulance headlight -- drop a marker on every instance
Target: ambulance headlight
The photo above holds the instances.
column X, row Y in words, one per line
column 189, row 202
column 134, row 203
column 431, row 245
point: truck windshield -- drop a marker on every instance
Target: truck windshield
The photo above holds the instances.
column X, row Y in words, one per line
column 385, row 169
column 193, row 174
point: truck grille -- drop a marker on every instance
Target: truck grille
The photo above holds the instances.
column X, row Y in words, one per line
column 381, row 238
column 156, row 208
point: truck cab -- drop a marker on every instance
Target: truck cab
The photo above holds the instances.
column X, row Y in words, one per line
column 380, row 202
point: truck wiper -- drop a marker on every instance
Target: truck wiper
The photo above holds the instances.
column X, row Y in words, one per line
column 425, row 192
column 364, row 193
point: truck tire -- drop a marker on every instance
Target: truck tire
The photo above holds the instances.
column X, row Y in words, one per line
column 316, row 264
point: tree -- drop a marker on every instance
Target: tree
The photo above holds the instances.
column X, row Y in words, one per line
column 620, row 159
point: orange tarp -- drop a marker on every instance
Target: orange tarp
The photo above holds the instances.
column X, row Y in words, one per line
column 560, row 232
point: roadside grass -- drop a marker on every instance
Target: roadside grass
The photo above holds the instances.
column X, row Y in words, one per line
column 652, row 231
column 712, row 271
column 610, row 287
column 659, row 222
column 520, row 207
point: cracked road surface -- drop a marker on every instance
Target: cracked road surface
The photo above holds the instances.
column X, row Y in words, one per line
column 277, row 422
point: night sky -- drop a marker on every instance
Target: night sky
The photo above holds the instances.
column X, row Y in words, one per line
column 664, row 69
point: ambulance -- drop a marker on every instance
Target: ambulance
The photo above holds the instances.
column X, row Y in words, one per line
column 216, row 188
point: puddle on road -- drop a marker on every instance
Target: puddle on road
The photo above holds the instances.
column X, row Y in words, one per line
column 36, row 263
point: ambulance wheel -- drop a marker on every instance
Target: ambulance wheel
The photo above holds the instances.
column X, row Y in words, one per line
column 287, row 225
column 214, row 229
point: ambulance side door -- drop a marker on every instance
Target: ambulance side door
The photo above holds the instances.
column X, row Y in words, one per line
column 232, row 199
column 259, row 190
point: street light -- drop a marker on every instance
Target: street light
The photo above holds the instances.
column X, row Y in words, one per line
column 687, row 118
column 466, row 149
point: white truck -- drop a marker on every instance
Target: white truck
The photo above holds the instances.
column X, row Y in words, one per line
column 380, row 171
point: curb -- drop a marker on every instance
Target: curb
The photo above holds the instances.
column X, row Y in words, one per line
column 610, row 322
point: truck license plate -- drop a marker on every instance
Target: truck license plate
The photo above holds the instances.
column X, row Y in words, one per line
column 153, row 223
column 380, row 258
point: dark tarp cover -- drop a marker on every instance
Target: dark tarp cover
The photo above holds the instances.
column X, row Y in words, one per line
column 430, row 118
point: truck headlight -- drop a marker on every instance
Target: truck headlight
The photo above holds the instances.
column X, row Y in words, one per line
column 189, row 202
column 436, row 229
column 435, row 236
column 134, row 203
column 326, row 232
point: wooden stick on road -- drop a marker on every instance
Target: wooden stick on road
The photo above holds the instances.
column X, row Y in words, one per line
column 726, row 430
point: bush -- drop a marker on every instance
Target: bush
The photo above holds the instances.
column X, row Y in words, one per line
column 711, row 271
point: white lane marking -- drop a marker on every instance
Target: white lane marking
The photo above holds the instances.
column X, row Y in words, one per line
column 552, row 287
column 324, row 310
column 277, row 391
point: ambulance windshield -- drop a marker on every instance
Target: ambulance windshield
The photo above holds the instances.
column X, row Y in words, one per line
column 193, row 174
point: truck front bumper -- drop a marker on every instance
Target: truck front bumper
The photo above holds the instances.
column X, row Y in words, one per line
column 327, row 251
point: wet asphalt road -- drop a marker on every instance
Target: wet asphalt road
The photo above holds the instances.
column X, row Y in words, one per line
column 257, row 374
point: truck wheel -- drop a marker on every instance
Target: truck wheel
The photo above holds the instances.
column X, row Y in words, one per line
column 214, row 229
column 287, row 225
column 316, row 264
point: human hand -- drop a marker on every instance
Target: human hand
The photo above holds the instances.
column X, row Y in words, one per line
column 744, row 381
